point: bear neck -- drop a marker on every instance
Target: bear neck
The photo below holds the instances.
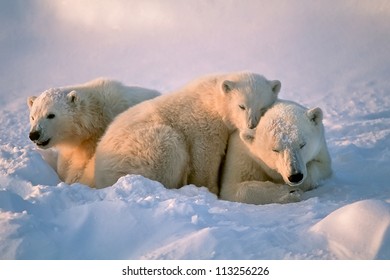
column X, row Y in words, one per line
column 218, row 102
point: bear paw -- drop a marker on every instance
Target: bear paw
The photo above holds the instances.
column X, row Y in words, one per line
column 294, row 195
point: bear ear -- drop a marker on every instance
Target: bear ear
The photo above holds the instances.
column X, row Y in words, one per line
column 315, row 115
column 276, row 86
column 30, row 101
column 227, row 86
column 72, row 96
column 247, row 136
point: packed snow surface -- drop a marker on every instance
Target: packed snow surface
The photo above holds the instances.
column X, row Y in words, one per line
column 330, row 54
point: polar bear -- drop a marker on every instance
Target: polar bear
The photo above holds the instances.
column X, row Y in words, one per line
column 72, row 119
column 287, row 154
column 181, row 138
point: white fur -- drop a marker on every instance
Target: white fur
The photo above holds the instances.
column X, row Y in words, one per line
column 287, row 154
column 72, row 119
column 180, row 138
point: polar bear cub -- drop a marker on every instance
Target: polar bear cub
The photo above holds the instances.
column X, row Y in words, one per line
column 72, row 119
column 286, row 154
column 181, row 138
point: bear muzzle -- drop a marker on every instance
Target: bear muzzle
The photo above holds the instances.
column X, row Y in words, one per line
column 252, row 121
column 35, row 135
column 44, row 143
column 296, row 178
column 296, row 171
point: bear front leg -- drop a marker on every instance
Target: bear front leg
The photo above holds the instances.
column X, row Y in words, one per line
column 257, row 192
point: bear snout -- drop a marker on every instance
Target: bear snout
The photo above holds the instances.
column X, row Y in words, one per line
column 34, row 135
column 251, row 125
column 252, row 122
column 295, row 178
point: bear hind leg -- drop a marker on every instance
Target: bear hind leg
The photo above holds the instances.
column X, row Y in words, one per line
column 171, row 166
column 156, row 152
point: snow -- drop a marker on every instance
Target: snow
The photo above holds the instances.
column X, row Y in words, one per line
column 333, row 55
column 344, row 226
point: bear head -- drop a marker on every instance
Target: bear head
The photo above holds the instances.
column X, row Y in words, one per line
column 250, row 95
column 287, row 137
column 52, row 117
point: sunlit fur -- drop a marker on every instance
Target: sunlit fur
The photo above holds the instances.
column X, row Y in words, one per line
column 289, row 140
column 72, row 119
column 180, row 138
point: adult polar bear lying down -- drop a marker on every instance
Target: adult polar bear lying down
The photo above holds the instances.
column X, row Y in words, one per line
column 181, row 138
column 286, row 154
column 72, row 119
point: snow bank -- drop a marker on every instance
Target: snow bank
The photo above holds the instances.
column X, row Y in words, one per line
column 360, row 230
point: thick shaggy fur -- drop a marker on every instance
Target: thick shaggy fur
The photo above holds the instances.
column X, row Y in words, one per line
column 72, row 119
column 287, row 155
column 181, row 138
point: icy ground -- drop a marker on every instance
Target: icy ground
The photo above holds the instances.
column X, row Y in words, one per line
column 332, row 54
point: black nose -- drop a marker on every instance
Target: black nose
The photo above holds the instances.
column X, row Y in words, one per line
column 34, row 135
column 295, row 178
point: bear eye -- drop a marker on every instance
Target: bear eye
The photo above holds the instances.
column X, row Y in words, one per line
column 276, row 150
column 51, row 116
column 32, row 118
column 302, row 145
column 242, row 107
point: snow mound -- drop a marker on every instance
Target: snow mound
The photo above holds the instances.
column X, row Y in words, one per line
column 360, row 230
